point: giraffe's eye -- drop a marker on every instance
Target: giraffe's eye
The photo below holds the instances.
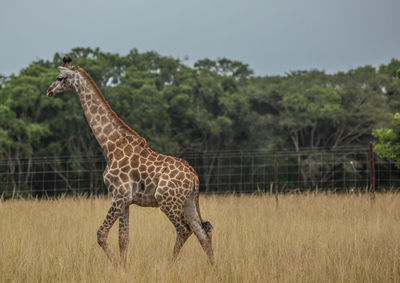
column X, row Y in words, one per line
column 60, row 79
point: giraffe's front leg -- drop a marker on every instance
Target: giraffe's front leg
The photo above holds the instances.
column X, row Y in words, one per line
column 102, row 234
column 124, row 235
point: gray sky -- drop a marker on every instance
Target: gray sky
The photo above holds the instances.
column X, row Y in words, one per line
column 273, row 37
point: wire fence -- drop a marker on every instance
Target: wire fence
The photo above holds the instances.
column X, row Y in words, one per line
column 341, row 170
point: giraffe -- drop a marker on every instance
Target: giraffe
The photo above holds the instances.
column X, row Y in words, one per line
column 135, row 174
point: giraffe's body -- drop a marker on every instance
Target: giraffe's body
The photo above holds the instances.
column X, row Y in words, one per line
column 135, row 174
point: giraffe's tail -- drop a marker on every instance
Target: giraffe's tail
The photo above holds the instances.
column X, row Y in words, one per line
column 206, row 225
column 202, row 229
column 196, row 195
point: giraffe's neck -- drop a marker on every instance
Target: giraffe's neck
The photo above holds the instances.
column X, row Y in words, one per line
column 107, row 127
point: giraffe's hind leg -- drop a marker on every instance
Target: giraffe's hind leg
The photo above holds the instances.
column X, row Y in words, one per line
column 182, row 227
column 183, row 232
column 123, row 235
column 202, row 230
column 172, row 206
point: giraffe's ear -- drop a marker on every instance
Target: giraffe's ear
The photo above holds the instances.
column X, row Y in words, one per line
column 65, row 71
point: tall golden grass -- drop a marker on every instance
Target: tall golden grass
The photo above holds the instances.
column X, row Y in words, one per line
column 312, row 237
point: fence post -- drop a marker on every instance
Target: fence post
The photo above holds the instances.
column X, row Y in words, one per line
column 371, row 171
column 276, row 175
column 43, row 175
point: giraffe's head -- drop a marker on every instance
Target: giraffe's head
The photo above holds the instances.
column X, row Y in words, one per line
column 66, row 80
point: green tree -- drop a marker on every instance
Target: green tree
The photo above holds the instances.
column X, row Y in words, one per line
column 221, row 110
column 309, row 110
column 388, row 145
column 391, row 85
column 21, row 129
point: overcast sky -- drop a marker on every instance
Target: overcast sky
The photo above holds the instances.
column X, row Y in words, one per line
column 273, row 37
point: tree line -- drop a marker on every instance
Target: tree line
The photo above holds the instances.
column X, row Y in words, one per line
column 214, row 106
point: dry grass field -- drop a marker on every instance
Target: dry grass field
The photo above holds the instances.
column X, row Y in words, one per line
column 307, row 238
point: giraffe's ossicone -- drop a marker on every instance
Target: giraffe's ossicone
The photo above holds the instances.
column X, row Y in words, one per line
column 135, row 174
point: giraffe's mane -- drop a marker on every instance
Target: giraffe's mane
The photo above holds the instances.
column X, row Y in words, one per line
column 100, row 94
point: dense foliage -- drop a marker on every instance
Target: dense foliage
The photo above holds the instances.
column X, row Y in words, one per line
column 213, row 106
column 389, row 140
